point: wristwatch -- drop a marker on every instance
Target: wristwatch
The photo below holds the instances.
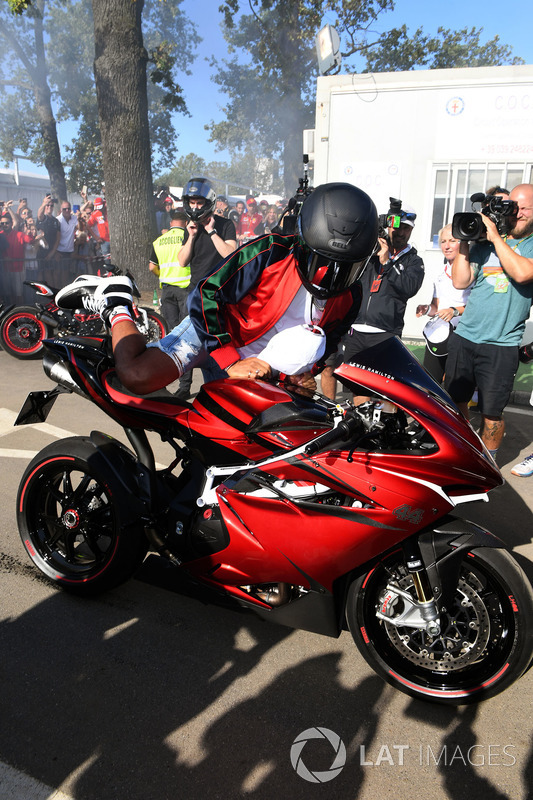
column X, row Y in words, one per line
column 455, row 312
column 211, row 233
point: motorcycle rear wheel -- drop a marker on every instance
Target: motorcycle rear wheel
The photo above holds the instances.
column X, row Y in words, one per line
column 486, row 640
column 70, row 524
column 157, row 325
column 22, row 333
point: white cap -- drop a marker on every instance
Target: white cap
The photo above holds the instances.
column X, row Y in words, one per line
column 295, row 350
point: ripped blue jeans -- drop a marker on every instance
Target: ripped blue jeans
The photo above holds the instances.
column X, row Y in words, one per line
column 185, row 348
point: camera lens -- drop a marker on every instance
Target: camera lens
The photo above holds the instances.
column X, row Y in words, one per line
column 467, row 226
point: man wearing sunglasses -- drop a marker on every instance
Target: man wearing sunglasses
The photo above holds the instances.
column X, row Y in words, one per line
column 393, row 275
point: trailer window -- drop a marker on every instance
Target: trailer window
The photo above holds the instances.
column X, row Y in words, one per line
column 453, row 184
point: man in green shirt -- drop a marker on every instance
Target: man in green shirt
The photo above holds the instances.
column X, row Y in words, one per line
column 483, row 351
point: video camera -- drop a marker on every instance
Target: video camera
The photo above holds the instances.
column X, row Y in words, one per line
column 287, row 223
column 391, row 219
column 468, row 226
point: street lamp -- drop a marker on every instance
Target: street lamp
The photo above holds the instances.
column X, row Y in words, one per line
column 327, row 50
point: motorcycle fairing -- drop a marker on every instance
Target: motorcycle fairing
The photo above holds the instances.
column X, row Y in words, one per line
column 392, row 360
column 258, row 418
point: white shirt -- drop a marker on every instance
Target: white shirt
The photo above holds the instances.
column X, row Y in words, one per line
column 304, row 308
column 68, row 230
column 448, row 295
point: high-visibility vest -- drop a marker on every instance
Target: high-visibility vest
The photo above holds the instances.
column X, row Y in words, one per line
column 167, row 248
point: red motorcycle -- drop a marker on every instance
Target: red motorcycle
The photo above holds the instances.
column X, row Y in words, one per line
column 24, row 328
column 316, row 516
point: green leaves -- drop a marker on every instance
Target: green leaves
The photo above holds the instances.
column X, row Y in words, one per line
column 65, row 64
column 18, row 6
column 269, row 78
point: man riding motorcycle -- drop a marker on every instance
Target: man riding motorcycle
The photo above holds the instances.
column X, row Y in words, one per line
column 270, row 286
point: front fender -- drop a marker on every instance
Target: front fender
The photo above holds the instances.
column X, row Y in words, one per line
column 443, row 549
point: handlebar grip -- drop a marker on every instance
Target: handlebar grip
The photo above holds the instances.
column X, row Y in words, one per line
column 341, row 433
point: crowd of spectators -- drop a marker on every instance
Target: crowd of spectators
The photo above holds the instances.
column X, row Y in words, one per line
column 53, row 245
column 251, row 217
column 59, row 241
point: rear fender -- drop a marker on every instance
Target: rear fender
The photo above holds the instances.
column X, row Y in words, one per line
column 6, row 310
column 443, row 550
column 130, row 480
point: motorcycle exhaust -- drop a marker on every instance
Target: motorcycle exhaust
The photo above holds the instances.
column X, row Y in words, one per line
column 48, row 320
column 276, row 594
column 59, row 372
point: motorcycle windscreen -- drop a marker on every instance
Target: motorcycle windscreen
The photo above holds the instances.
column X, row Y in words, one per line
column 392, row 357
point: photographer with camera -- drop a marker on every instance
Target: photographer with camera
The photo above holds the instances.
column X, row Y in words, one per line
column 393, row 275
column 484, row 350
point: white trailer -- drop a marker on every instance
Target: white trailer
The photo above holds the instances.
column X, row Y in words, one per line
column 431, row 138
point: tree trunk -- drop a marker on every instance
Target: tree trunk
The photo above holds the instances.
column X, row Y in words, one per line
column 120, row 75
column 43, row 109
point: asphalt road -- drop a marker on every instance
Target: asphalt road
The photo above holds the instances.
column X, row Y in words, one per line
column 150, row 693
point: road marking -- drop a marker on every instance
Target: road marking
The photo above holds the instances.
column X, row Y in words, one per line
column 27, row 454
column 19, row 786
column 7, row 418
column 7, row 426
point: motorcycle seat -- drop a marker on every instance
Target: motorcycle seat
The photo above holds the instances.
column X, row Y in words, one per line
column 161, row 402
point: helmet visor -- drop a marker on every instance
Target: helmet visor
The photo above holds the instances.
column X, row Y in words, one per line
column 327, row 278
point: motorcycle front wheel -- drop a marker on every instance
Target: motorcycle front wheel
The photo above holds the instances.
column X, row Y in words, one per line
column 71, row 525
column 157, row 325
column 486, row 637
column 22, row 333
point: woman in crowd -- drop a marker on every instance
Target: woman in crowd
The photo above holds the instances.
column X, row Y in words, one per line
column 271, row 218
column 445, row 309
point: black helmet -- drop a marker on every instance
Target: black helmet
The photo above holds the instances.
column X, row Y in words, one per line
column 198, row 187
column 338, row 225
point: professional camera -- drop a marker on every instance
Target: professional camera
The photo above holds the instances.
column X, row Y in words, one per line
column 287, row 223
column 391, row 219
column 468, row 226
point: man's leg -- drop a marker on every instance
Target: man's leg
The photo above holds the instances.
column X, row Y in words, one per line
column 491, row 432
column 174, row 310
column 459, row 380
column 358, row 342
column 328, row 383
column 496, row 368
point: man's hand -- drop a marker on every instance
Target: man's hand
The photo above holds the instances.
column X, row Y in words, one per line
column 304, row 381
column 383, row 252
column 209, row 224
column 250, row 368
column 303, row 384
column 492, row 231
column 192, row 228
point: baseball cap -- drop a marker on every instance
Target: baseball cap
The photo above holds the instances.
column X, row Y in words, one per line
column 98, row 203
column 295, row 350
column 436, row 333
column 407, row 215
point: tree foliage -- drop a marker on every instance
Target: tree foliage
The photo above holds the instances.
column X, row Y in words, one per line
column 170, row 40
column 242, row 174
column 271, row 95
